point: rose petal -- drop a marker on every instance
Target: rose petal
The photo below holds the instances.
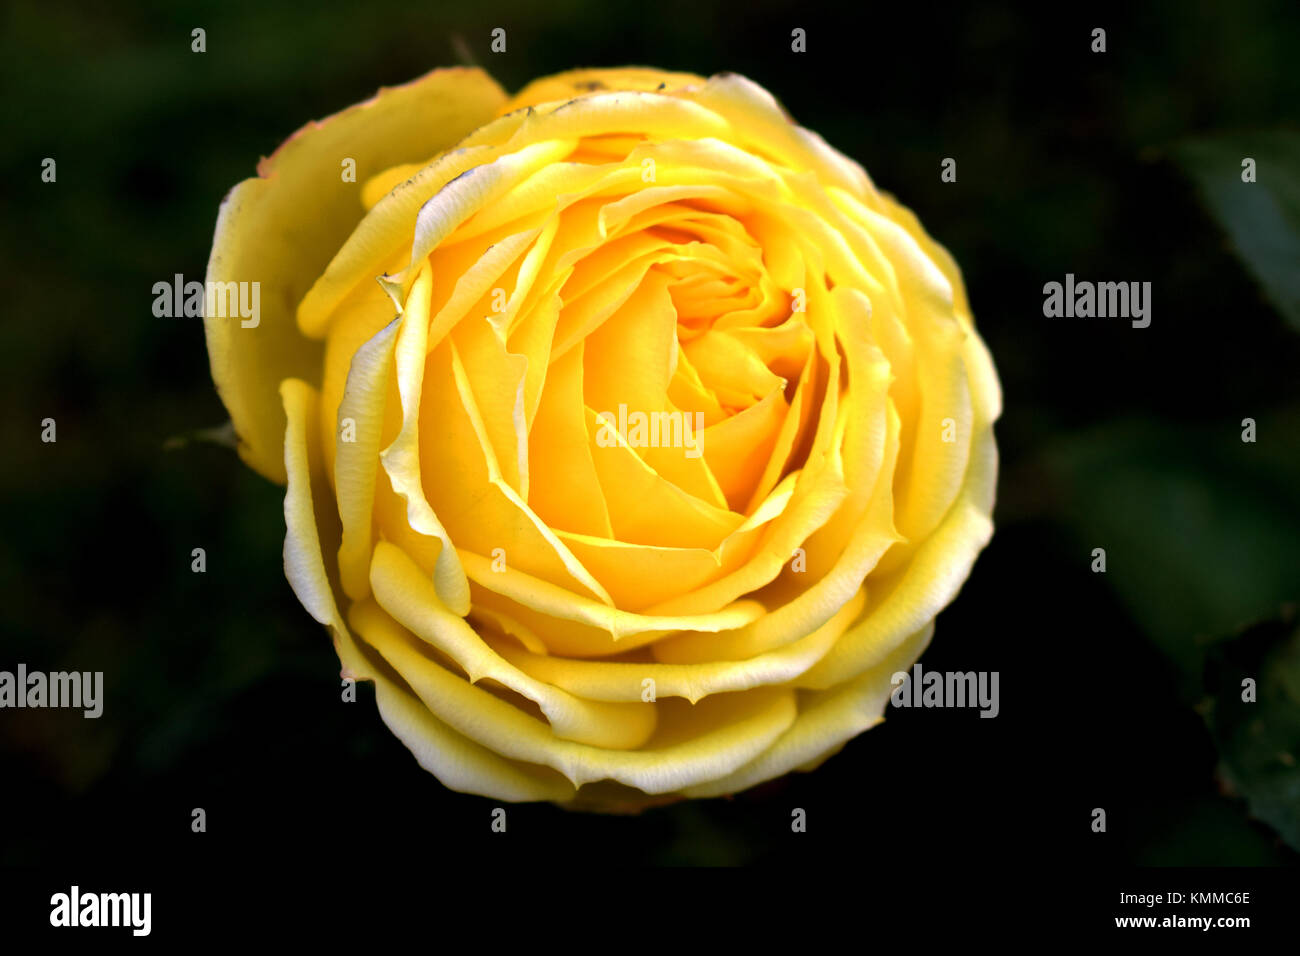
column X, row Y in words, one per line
column 281, row 229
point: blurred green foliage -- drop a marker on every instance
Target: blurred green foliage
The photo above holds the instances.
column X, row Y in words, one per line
column 1260, row 211
column 1256, row 727
column 1201, row 530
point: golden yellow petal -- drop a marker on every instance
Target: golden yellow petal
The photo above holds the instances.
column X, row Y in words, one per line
column 282, row 228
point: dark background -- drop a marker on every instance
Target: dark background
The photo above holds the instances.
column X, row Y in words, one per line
column 222, row 693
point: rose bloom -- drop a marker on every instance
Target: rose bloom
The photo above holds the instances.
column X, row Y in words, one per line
column 632, row 438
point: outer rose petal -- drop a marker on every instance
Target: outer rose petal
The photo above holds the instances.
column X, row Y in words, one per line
column 306, row 506
column 563, row 86
column 282, row 228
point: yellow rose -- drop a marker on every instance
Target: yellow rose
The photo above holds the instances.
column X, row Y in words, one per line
column 651, row 455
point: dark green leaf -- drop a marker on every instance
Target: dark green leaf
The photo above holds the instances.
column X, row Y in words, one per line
column 1201, row 530
column 1262, row 218
column 223, row 435
column 1259, row 741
